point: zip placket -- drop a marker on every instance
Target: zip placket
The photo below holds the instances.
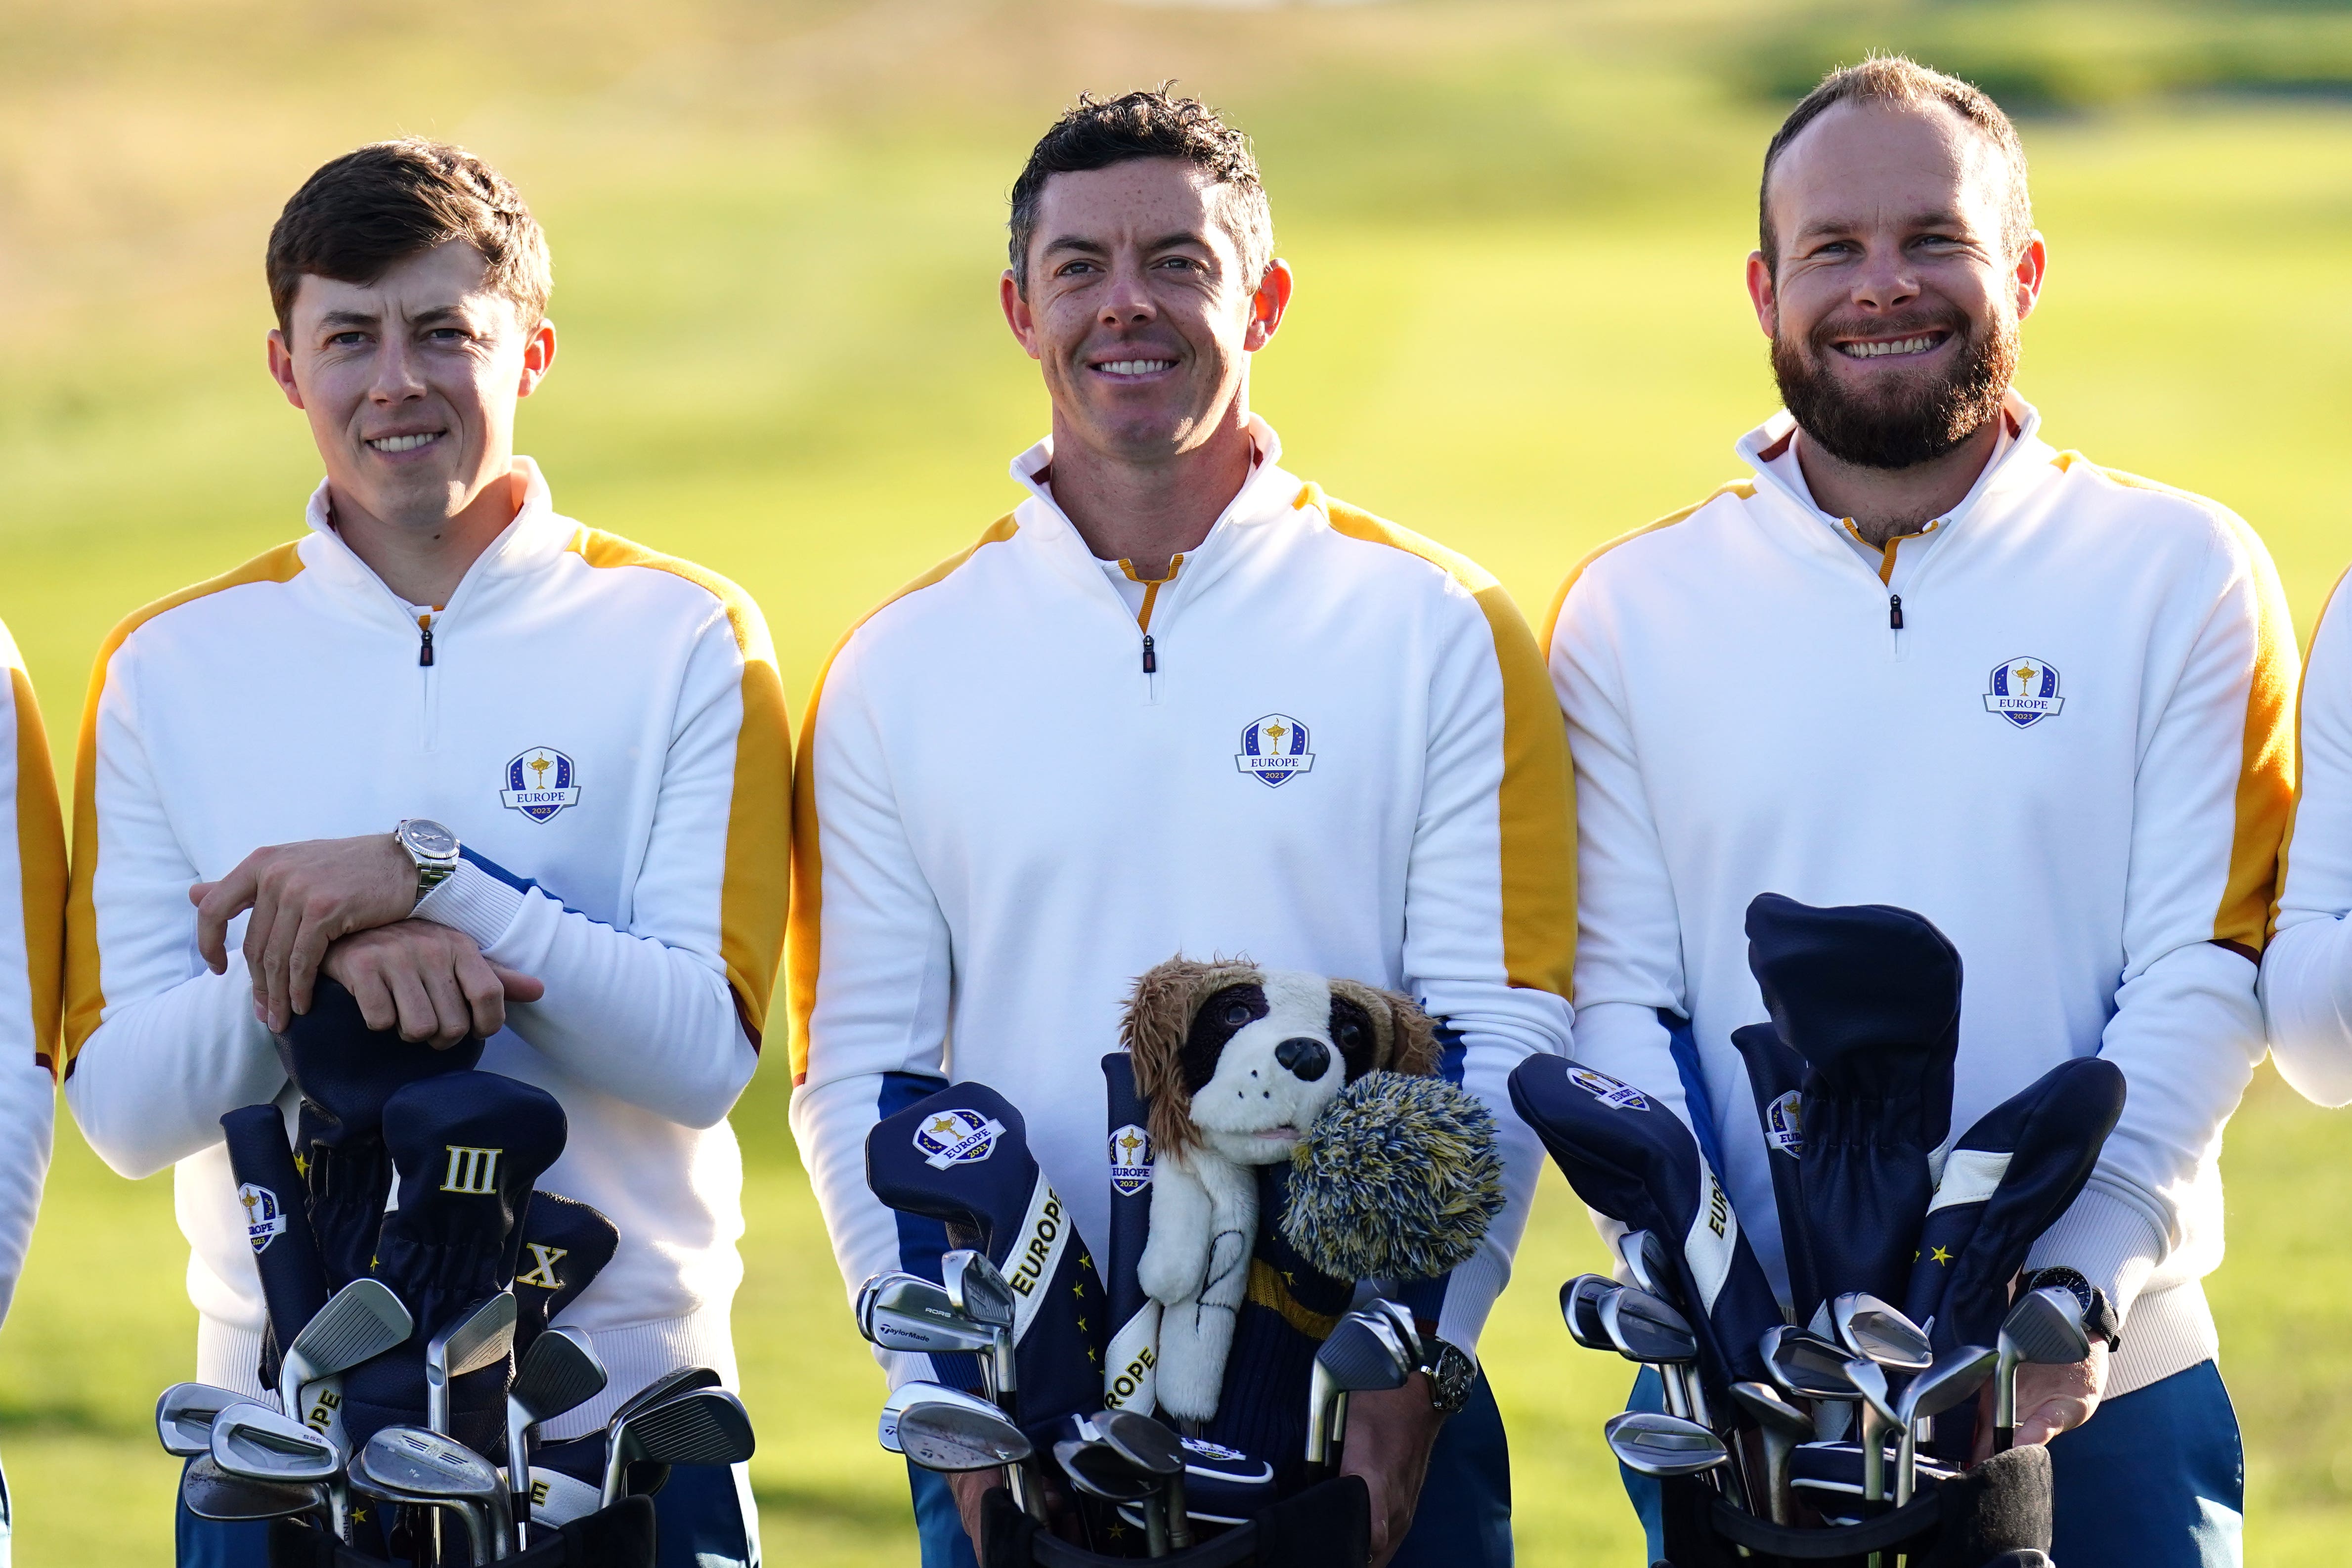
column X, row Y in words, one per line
column 1886, row 578
column 1151, row 586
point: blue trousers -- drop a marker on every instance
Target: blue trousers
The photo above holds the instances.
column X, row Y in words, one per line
column 1464, row 1519
column 2157, row 1479
column 698, row 1523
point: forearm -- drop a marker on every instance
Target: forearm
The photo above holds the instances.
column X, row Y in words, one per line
column 151, row 1083
column 2307, row 993
column 647, row 1022
column 27, row 1113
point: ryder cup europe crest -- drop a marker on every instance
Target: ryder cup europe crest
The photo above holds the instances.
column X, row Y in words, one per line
column 2024, row 691
column 1130, row 1159
column 1274, row 750
column 540, row 782
column 264, row 1222
column 957, row 1138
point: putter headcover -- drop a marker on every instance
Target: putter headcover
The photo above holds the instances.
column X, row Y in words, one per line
column 469, row 1146
column 1776, row 1077
column 2062, row 1122
column 1398, row 1179
column 565, row 1245
column 1634, row 1160
column 345, row 1072
column 277, row 1223
column 961, row 1156
column 1134, row 1318
column 1869, row 996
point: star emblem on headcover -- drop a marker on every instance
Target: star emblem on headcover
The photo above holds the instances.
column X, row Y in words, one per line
column 1940, row 1256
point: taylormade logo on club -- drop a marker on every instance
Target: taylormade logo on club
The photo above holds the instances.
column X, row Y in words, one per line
column 472, row 1171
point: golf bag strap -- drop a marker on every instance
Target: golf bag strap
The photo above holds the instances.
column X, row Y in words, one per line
column 2002, row 1505
column 1328, row 1525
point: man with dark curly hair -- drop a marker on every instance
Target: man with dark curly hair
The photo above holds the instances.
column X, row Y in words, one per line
column 1178, row 701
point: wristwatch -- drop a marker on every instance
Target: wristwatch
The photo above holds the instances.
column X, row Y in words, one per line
column 1451, row 1371
column 433, row 848
column 2099, row 1318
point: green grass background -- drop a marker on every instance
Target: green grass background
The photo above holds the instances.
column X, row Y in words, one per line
column 1518, row 231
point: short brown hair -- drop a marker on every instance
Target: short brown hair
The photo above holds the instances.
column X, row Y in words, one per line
column 1096, row 134
column 385, row 202
column 1892, row 79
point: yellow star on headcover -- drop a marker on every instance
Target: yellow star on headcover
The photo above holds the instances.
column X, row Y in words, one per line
column 1941, row 1256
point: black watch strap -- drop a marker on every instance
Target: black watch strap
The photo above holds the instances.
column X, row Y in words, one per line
column 2099, row 1316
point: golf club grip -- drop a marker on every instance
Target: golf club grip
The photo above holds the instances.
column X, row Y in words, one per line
column 2004, row 1438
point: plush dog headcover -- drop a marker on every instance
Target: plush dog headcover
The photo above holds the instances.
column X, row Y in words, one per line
column 1186, row 1018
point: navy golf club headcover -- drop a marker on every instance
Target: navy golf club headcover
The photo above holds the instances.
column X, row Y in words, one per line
column 278, row 1224
column 469, row 1147
column 345, row 1072
column 1869, row 996
column 1134, row 1319
column 1632, row 1159
column 565, row 1245
column 961, row 1156
column 2067, row 1115
column 1776, row 1077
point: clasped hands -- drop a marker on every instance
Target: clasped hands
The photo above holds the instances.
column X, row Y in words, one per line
column 344, row 907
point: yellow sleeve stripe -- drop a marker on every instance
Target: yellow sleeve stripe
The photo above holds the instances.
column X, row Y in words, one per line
column 2294, row 802
column 85, row 996
column 756, row 880
column 803, row 950
column 2267, row 754
column 41, row 865
column 1536, row 807
column 1743, row 489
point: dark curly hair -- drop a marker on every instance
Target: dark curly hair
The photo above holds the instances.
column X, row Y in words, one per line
column 1096, row 134
column 382, row 203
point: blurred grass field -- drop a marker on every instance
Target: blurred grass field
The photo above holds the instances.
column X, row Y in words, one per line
column 1517, row 230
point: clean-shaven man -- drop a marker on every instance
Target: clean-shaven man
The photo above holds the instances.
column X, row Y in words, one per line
column 1809, row 684
column 31, row 948
column 493, row 771
column 1028, row 777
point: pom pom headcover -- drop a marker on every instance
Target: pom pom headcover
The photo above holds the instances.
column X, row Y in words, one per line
column 1399, row 1179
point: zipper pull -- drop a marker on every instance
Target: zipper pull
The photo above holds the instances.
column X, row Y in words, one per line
column 1893, row 614
column 425, row 646
column 1150, row 659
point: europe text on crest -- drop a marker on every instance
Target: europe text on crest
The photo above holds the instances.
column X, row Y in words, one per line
column 1274, row 750
column 1130, row 1159
column 1784, row 1124
column 957, row 1138
column 540, row 782
column 2024, row 691
column 1609, row 1091
column 264, row 1222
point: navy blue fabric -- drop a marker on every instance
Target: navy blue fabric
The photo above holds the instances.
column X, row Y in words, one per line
column 1681, row 1045
column 210, row 1543
column 1262, row 1410
column 565, row 1245
column 1869, row 996
column 2155, row 1480
column 940, row 1158
column 1632, row 1159
column 1462, row 1520
column 1124, row 1106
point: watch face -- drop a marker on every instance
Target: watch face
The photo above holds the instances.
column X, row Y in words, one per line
column 429, row 839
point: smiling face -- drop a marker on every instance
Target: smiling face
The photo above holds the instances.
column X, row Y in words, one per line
column 1137, row 310
column 1894, row 302
column 410, row 384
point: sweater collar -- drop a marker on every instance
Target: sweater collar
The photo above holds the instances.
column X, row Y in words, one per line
column 536, row 533
column 2023, row 464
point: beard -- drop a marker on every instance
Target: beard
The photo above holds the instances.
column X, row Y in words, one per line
column 1914, row 420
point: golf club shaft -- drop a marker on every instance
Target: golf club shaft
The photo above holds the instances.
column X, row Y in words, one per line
column 1179, row 1518
column 1779, row 1447
column 1155, row 1526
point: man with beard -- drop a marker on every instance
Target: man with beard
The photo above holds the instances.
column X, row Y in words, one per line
column 1924, row 659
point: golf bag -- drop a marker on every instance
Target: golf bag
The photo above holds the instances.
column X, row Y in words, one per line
column 1328, row 1525
column 1972, row 1520
column 621, row 1536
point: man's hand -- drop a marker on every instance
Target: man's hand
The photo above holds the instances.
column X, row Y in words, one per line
column 971, row 1487
column 430, row 980
column 1390, row 1434
column 303, row 897
column 2050, row 1400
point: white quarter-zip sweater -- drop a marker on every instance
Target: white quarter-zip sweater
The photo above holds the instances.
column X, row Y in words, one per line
column 2072, row 757
column 1343, row 758
column 2307, row 970
column 291, row 700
